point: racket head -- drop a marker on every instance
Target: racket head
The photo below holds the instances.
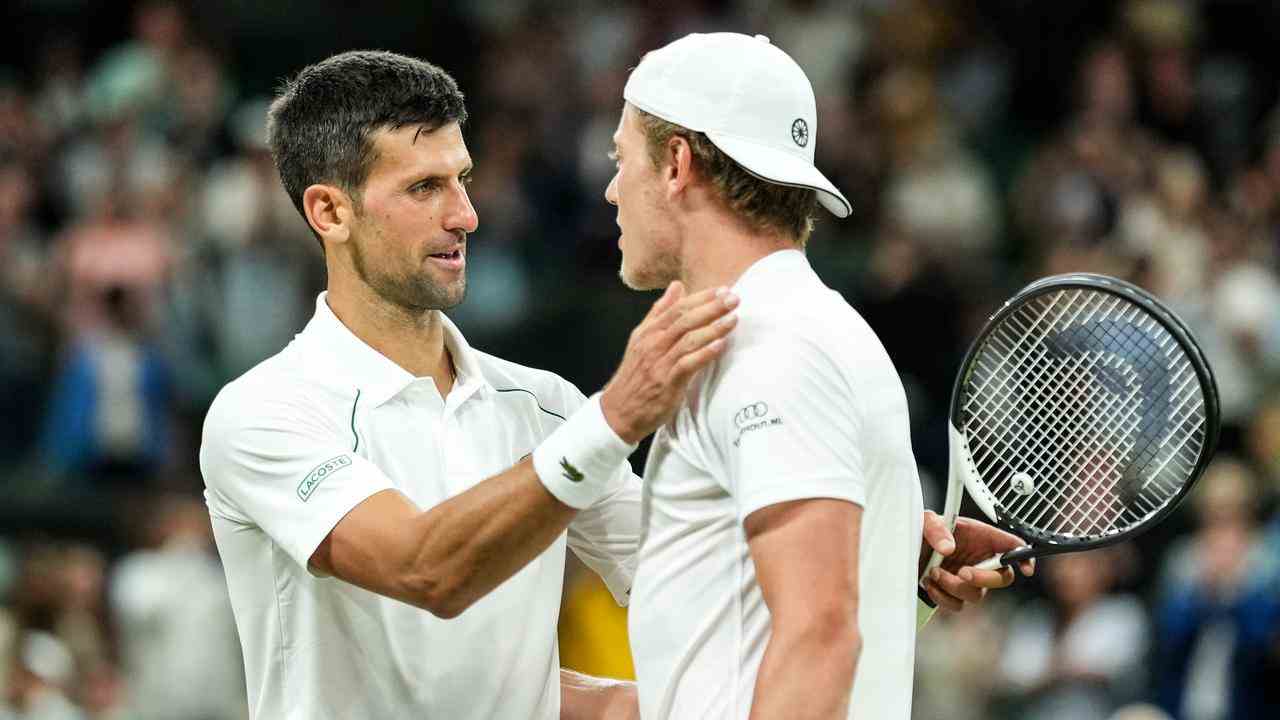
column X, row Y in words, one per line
column 1117, row 444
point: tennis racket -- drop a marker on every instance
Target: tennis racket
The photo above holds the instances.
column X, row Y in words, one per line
column 1082, row 415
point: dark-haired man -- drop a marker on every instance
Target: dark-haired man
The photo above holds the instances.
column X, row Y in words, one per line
column 346, row 476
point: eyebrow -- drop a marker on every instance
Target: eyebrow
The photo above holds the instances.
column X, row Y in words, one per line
column 419, row 177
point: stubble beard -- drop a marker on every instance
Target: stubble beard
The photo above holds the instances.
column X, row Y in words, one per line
column 661, row 269
column 411, row 293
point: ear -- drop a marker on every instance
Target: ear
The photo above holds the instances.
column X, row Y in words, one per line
column 329, row 211
column 677, row 172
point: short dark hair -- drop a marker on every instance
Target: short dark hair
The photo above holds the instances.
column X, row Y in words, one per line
column 320, row 125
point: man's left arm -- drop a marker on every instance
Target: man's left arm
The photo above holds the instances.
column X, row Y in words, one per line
column 806, row 558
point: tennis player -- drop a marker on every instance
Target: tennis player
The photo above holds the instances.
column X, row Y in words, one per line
column 379, row 466
column 781, row 534
column 392, row 506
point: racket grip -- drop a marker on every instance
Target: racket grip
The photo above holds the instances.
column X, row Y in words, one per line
column 1007, row 559
column 992, row 563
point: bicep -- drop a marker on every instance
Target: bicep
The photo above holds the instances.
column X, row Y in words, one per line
column 806, row 557
column 373, row 546
column 287, row 473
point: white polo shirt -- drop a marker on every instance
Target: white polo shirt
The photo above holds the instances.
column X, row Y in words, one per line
column 804, row 403
column 294, row 444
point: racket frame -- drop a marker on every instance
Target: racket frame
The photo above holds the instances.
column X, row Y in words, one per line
column 961, row 475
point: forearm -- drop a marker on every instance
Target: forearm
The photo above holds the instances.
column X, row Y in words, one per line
column 808, row 674
column 473, row 542
column 583, row 697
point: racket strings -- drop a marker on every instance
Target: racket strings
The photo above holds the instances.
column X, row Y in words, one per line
column 1095, row 401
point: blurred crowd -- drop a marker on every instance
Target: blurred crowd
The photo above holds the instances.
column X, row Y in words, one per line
column 148, row 255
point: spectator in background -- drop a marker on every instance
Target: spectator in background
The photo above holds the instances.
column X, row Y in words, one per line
column 57, row 99
column 1218, row 620
column 109, row 412
column 256, row 261
column 178, row 642
column 138, row 75
column 59, row 630
column 1079, row 653
column 954, row 658
column 25, row 331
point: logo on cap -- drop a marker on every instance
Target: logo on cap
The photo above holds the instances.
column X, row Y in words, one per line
column 800, row 132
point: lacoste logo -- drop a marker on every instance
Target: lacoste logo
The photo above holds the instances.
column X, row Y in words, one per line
column 571, row 473
column 319, row 473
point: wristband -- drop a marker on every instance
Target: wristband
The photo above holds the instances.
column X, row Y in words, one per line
column 577, row 462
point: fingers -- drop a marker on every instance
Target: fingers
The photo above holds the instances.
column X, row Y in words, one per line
column 695, row 340
column 692, row 362
column 937, row 534
column 1027, row 567
column 989, row 579
column 957, row 587
column 670, row 296
column 681, row 335
column 696, row 311
column 702, row 323
column 942, row 599
column 986, row 538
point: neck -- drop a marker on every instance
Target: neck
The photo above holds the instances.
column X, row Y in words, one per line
column 412, row 339
column 722, row 249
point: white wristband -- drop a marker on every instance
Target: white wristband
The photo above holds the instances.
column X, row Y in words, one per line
column 578, row 460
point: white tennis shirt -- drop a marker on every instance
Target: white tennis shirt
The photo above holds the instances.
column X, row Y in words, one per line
column 297, row 442
column 805, row 403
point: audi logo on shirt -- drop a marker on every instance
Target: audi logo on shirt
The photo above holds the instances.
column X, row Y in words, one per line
column 749, row 414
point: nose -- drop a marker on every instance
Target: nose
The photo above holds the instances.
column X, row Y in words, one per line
column 611, row 191
column 462, row 214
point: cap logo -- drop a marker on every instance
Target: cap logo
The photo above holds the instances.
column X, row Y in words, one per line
column 800, row 132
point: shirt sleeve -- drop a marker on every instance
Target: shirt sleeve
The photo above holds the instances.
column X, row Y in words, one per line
column 606, row 536
column 784, row 421
column 285, row 469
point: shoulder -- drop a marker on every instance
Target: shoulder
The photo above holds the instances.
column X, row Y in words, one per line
column 778, row 337
column 553, row 393
column 812, row 324
column 275, row 394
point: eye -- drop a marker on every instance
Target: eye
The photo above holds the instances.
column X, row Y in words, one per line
column 424, row 187
column 615, row 157
column 466, row 179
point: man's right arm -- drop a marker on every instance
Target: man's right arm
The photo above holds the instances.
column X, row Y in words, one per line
column 445, row 558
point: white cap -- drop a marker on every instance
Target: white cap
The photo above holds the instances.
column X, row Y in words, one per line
column 749, row 98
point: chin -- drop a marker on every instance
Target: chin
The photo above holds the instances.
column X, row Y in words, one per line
column 639, row 281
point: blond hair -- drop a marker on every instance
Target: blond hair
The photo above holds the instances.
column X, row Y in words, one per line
column 761, row 204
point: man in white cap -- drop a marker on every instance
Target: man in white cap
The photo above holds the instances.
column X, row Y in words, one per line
column 782, row 526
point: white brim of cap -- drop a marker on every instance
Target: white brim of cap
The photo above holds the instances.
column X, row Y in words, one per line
column 782, row 168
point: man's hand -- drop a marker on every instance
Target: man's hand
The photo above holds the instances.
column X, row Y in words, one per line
column 955, row 582
column 678, row 337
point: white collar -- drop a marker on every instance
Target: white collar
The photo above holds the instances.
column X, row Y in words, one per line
column 771, row 269
column 350, row 359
